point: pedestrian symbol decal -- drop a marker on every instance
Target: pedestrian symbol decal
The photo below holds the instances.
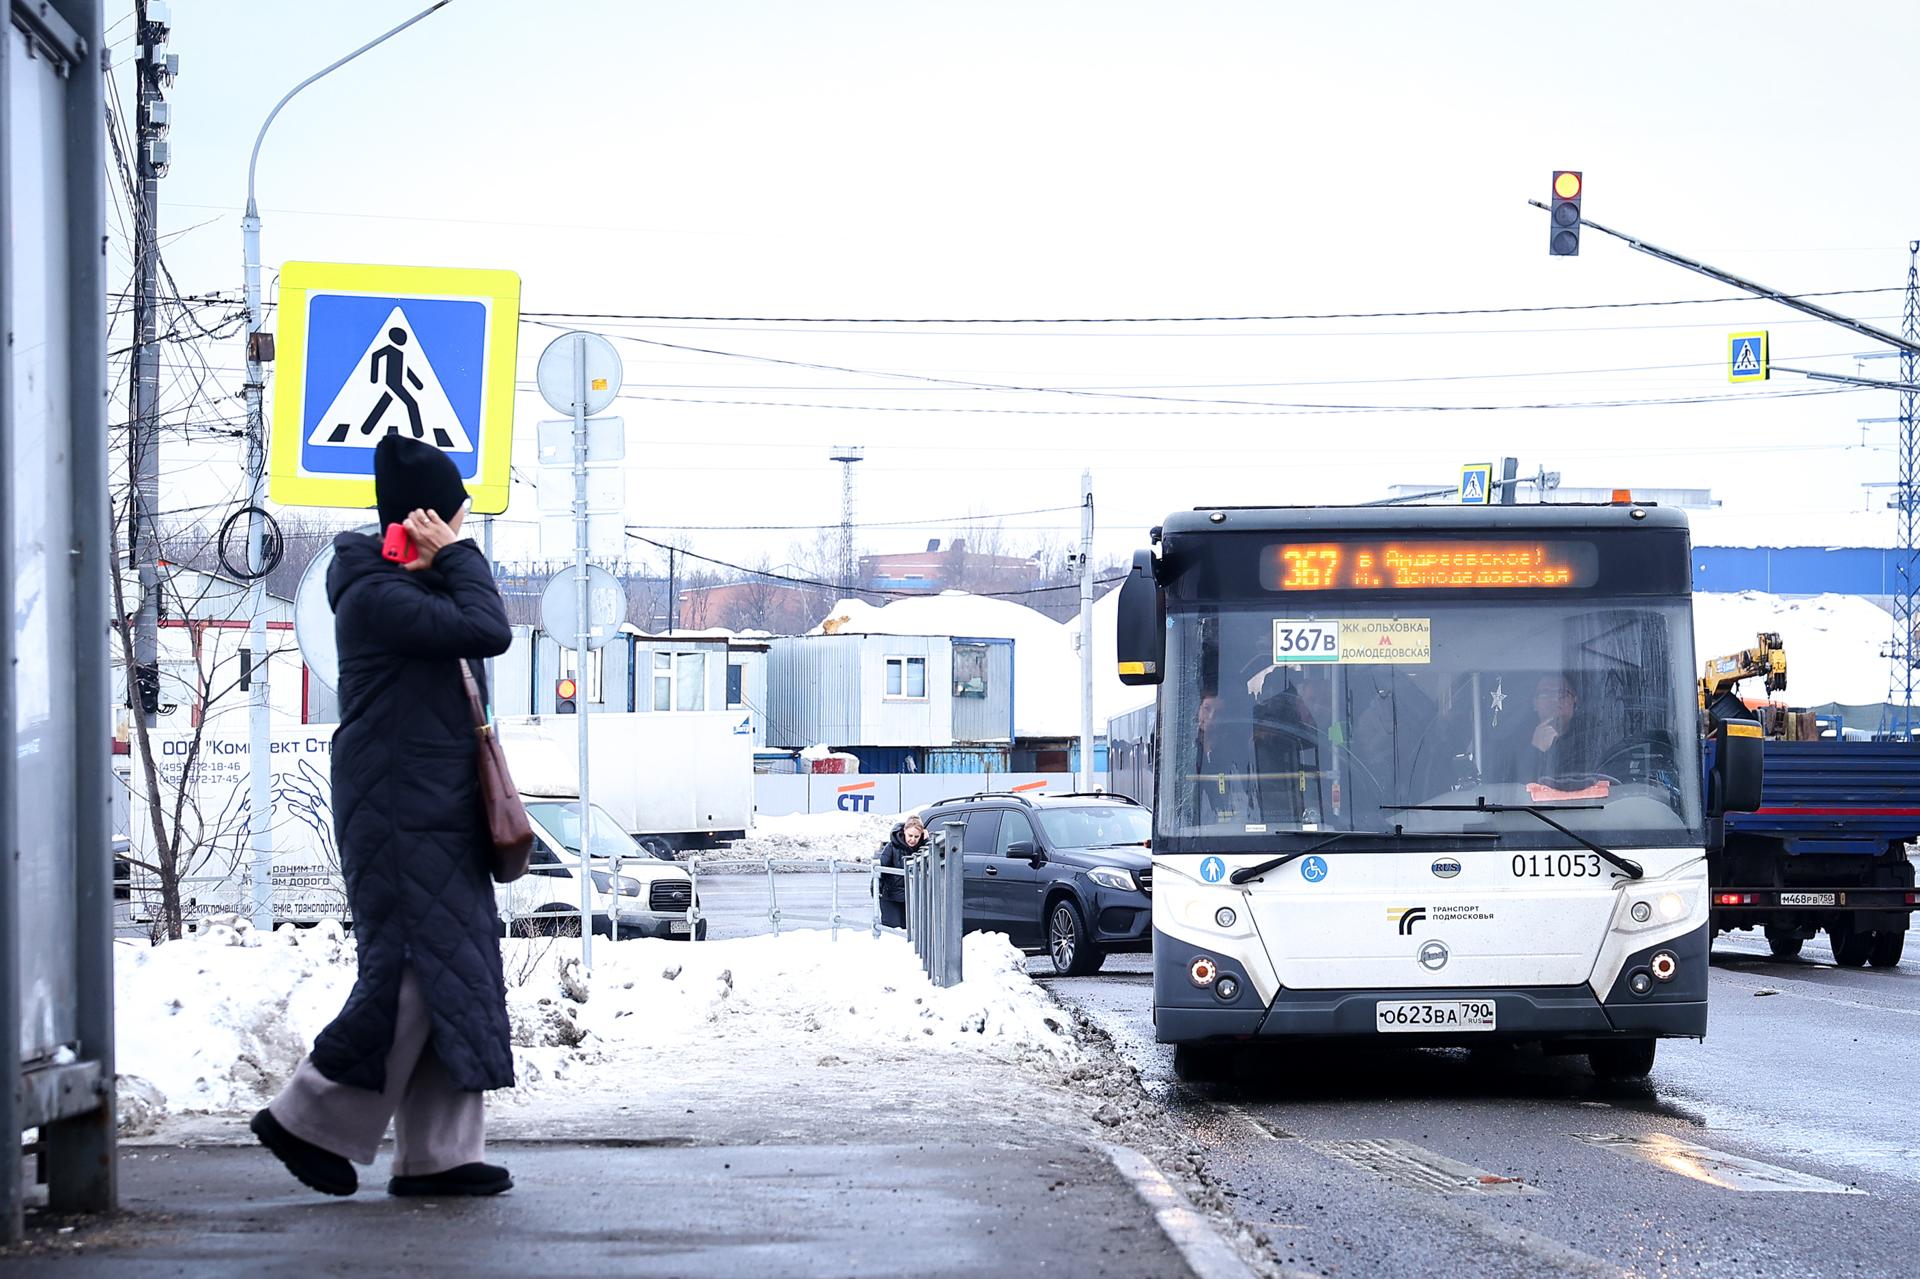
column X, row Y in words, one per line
column 1747, row 357
column 392, row 389
column 1213, row 870
column 1313, row 869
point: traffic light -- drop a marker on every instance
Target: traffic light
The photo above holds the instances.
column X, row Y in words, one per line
column 564, row 702
column 1566, row 215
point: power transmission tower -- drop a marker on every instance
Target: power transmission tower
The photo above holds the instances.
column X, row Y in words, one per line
column 154, row 71
column 847, row 457
column 1900, row 694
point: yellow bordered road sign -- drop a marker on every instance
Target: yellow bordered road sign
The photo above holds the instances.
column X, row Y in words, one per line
column 1476, row 484
column 365, row 351
column 1747, row 357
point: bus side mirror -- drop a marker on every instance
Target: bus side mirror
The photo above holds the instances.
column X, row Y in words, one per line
column 1140, row 637
column 1737, row 768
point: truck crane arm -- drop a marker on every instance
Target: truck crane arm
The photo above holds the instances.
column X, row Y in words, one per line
column 1721, row 679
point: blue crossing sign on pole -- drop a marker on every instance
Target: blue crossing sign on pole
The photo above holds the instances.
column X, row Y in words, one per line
column 1476, row 484
column 1747, row 357
column 370, row 351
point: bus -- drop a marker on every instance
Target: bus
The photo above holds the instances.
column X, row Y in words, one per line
column 1428, row 772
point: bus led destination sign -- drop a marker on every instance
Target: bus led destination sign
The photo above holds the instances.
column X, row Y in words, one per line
column 1427, row 565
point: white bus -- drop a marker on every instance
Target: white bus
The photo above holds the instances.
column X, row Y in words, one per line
column 1429, row 772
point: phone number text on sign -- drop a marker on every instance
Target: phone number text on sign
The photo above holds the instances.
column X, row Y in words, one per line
column 1306, row 641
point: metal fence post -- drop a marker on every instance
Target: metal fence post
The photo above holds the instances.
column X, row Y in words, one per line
column 833, row 896
column 773, row 899
column 952, row 889
column 874, row 877
column 693, row 898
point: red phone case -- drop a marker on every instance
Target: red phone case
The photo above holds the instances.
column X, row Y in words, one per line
column 398, row 546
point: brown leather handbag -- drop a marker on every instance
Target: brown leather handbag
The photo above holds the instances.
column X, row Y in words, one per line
column 508, row 830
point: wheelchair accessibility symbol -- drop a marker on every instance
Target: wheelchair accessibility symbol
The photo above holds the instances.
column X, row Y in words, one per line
column 1213, row 870
column 1313, row 869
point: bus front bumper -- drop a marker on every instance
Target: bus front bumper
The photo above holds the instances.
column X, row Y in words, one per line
column 1676, row 1008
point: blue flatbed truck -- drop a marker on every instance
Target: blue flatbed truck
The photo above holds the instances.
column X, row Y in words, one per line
column 1826, row 849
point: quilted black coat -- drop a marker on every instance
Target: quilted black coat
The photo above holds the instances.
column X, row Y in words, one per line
column 413, row 843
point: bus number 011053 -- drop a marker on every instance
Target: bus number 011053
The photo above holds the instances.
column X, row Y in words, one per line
column 1556, row 865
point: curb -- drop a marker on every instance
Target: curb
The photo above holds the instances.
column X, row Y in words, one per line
column 1206, row 1253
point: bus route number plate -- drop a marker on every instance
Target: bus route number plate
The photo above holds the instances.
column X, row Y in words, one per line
column 1404, row 1016
column 1305, row 641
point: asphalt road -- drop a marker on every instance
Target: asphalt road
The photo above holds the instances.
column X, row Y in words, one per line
column 1369, row 1161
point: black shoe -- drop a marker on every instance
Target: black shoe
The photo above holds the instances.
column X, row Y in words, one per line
column 321, row 1169
column 467, row 1179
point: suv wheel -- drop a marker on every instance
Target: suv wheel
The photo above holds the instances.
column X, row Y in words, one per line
column 1068, row 945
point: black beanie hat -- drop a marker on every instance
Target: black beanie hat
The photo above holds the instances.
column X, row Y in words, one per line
column 411, row 475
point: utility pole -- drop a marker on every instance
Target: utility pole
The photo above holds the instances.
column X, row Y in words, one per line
column 847, row 457
column 1900, row 695
column 154, row 71
column 1086, row 631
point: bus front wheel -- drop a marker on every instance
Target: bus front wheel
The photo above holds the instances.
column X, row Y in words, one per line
column 1627, row 1059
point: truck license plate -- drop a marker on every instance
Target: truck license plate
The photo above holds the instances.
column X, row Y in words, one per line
column 678, row 926
column 1809, row 899
column 1417, row 1016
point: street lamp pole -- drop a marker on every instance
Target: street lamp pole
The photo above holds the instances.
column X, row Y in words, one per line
column 259, row 829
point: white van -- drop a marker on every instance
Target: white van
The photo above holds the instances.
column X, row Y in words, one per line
column 649, row 897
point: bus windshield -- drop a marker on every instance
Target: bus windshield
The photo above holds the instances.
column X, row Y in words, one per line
column 1344, row 714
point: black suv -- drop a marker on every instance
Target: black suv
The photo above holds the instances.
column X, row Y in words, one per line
column 1067, row 874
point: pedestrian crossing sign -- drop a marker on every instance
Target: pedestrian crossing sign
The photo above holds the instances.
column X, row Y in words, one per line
column 1476, row 484
column 1747, row 357
column 370, row 351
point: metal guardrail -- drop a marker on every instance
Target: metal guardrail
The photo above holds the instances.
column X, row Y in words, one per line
column 936, row 897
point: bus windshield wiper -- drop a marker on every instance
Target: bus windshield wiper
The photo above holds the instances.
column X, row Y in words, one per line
column 1258, row 869
column 1631, row 869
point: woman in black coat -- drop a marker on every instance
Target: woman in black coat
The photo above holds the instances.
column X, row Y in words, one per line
column 424, row 1031
column 908, row 835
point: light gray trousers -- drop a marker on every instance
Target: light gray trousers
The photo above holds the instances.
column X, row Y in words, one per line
column 436, row 1126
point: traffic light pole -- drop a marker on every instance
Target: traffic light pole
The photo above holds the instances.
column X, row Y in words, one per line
column 1758, row 290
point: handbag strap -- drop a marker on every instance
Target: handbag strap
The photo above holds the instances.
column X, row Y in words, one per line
column 473, row 696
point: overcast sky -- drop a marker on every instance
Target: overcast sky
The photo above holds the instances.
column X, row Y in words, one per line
column 1004, row 159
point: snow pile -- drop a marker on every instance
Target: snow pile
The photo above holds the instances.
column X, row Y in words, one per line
column 215, row 1024
column 219, row 1021
column 803, row 989
column 1833, row 643
column 830, row 836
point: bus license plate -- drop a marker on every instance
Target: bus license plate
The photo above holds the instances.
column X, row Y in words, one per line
column 1418, row 1016
column 1809, row 899
column 678, row 926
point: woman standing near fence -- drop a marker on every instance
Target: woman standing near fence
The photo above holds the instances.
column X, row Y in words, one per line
column 425, row 1031
column 905, row 841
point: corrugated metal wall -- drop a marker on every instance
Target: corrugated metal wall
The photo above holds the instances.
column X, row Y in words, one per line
column 989, row 718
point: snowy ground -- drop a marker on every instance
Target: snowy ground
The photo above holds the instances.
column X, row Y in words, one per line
column 215, row 1024
column 853, row 837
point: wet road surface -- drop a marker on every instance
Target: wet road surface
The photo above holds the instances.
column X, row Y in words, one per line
column 1779, row 1146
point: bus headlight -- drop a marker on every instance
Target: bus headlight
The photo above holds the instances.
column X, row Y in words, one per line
column 1225, row 917
column 1671, row 906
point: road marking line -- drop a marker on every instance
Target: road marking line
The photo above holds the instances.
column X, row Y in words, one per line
column 1418, row 1168
column 1259, row 1125
column 1206, row 1253
column 1562, row 1258
column 1715, row 1167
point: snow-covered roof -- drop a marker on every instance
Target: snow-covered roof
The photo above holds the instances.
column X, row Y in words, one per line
column 1746, row 526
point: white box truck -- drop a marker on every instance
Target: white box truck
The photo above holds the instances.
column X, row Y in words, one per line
column 673, row 780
